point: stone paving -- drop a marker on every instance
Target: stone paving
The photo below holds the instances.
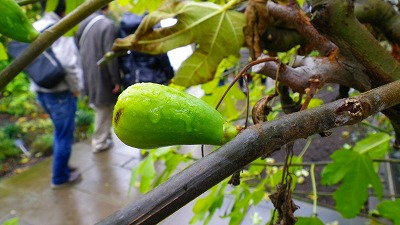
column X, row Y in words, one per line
column 103, row 189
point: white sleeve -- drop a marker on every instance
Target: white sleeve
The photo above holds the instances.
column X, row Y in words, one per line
column 68, row 54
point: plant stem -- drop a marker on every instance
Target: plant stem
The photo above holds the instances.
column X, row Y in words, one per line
column 314, row 188
column 306, row 147
column 321, row 163
column 365, row 123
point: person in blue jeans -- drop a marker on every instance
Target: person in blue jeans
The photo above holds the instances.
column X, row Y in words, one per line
column 60, row 101
column 61, row 106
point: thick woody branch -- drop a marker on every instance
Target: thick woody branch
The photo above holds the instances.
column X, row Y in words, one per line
column 255, row 141
column 381, row 15
column 300, row 22
column 336, row 19
column 277, row 39
column 305, row 68
column 47, row 38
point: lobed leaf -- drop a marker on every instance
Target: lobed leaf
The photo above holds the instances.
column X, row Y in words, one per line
column 215, row 30
column 375, row 145
column 355, row 171
column 390, row 210
column 309, row 221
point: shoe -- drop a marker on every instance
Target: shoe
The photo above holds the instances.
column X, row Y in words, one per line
column 74, row 177
column 110, row 144
column 72, row 168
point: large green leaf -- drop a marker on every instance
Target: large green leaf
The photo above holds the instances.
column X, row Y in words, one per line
column 216, row 31
column 309, row 221
column 51, row 5
column 355, row 171
column 70, row 6
column 148, row 173
column 376, row 145
column 140, row 7
column 390, row 210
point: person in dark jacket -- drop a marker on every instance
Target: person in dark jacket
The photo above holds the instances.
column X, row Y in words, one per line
column 95, row 37
column 138, row 66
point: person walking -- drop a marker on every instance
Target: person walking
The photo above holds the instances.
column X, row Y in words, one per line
column 60, row 101
column 95, row 37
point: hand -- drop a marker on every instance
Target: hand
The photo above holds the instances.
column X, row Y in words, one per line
column 116, row 89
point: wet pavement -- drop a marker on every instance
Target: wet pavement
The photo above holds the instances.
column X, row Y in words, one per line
column 102, row 191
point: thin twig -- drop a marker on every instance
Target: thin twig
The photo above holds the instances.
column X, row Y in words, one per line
column 314, row 189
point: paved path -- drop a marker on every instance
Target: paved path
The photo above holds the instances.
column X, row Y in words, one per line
column 103, row 189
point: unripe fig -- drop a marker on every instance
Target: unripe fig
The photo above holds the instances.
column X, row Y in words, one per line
column 149, row 115
column 14, row 23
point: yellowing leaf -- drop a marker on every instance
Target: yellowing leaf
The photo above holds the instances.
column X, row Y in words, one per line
column 216, row 31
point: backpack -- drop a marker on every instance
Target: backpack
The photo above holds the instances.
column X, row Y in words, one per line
column 138, row 66
column 46, row 70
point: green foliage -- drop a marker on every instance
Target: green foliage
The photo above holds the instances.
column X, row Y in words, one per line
column 390, row 210
column 3, row 57
column 244, row 197
column 309, row 221
column 38, row 125
column 145, row 170
column 42, row 145
column 224, row 37
column 355, row 170
column 84, row 117
column 140, row 7
column 35, row 128
column 12, row 221
column 229, row 108
column 7, row 147
column 376, row 145
column 51, row 5
column 16, row 98
column 12, row 131
column 204, row 208
column 287, row 57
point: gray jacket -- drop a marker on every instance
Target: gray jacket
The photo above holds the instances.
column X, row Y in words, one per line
column 98, row 81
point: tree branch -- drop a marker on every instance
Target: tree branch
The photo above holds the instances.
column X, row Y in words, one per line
column 255, row 141
column 47, row 38
column 336, row 19
column 381, row 15
column 301, row 23
column 306, row 68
